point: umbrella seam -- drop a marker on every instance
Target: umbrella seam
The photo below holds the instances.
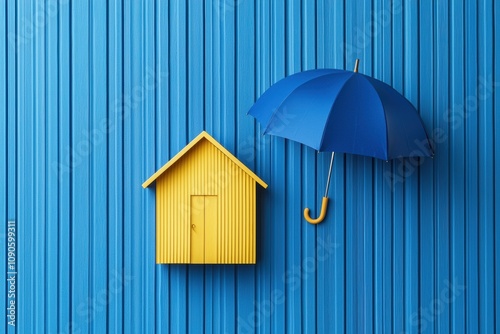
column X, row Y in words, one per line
column 331, row 112
column 387, row 158
column 286, row 77
column 283, row 101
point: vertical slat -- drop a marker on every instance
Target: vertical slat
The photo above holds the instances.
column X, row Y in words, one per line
column 331, row 238
column 354, row 261
column 227, row 119
column 320, row 304
column 3, row 158
column 442, row 167
column 99, row 142
column 427, row 219
column 39, row 169
column 150, row 81
column 64, row 173
column 471, row 157
column 455, row 116
column 177, row 69
column 411, row 195
column 261, row 155
column 352, row 32
column 12, row 131
column 380, row 183
column 162, row 152
column 486, row 148
column 8, row 165
column 366, row 305
column 135, row 126
column 10, row 87
column 398, row 222
column 53, row 130
column 279, row 228
column 263, row 160
column 118, row 110
column 295, row 272
column 384, row 243
column 214, row 13
column 387, row 220
column 309, row 44
column 245, row 89
column 81, row 147
column 25, row 227
column 495, row 82
column 196, row 321
column 195, row 68
column 227, row 134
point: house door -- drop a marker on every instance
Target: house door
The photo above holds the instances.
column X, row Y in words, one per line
column 203, row 229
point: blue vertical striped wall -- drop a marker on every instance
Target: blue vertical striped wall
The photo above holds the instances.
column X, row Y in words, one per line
column 96, row 95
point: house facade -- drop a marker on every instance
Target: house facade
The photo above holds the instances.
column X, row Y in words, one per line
column 205, row 206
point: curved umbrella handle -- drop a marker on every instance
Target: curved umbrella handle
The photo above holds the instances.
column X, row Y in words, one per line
column 324, row 205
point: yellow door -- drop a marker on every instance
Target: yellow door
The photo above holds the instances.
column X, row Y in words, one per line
column 211, row 223
column 197, row 229
column 203, row 229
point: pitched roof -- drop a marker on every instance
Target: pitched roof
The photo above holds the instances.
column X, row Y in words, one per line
column 203, row 135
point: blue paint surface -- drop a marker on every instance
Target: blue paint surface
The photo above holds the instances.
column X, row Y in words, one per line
column 95, row 96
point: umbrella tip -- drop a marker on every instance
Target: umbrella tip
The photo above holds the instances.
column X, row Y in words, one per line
column 356, row 65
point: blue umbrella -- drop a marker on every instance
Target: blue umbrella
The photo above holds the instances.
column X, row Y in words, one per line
column 342, row 111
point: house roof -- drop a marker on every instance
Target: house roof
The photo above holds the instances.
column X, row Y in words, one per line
column 203, row 135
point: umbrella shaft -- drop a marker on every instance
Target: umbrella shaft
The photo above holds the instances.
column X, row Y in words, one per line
column 329, row 175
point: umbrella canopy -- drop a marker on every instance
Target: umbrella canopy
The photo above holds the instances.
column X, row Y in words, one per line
column 342, row 111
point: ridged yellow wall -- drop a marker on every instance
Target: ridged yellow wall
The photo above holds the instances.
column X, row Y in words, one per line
column 205, row 170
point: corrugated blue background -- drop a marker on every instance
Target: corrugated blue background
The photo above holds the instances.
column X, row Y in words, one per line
column 95, row 96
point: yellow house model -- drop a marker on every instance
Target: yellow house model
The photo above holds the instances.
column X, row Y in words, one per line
column 205, row 206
